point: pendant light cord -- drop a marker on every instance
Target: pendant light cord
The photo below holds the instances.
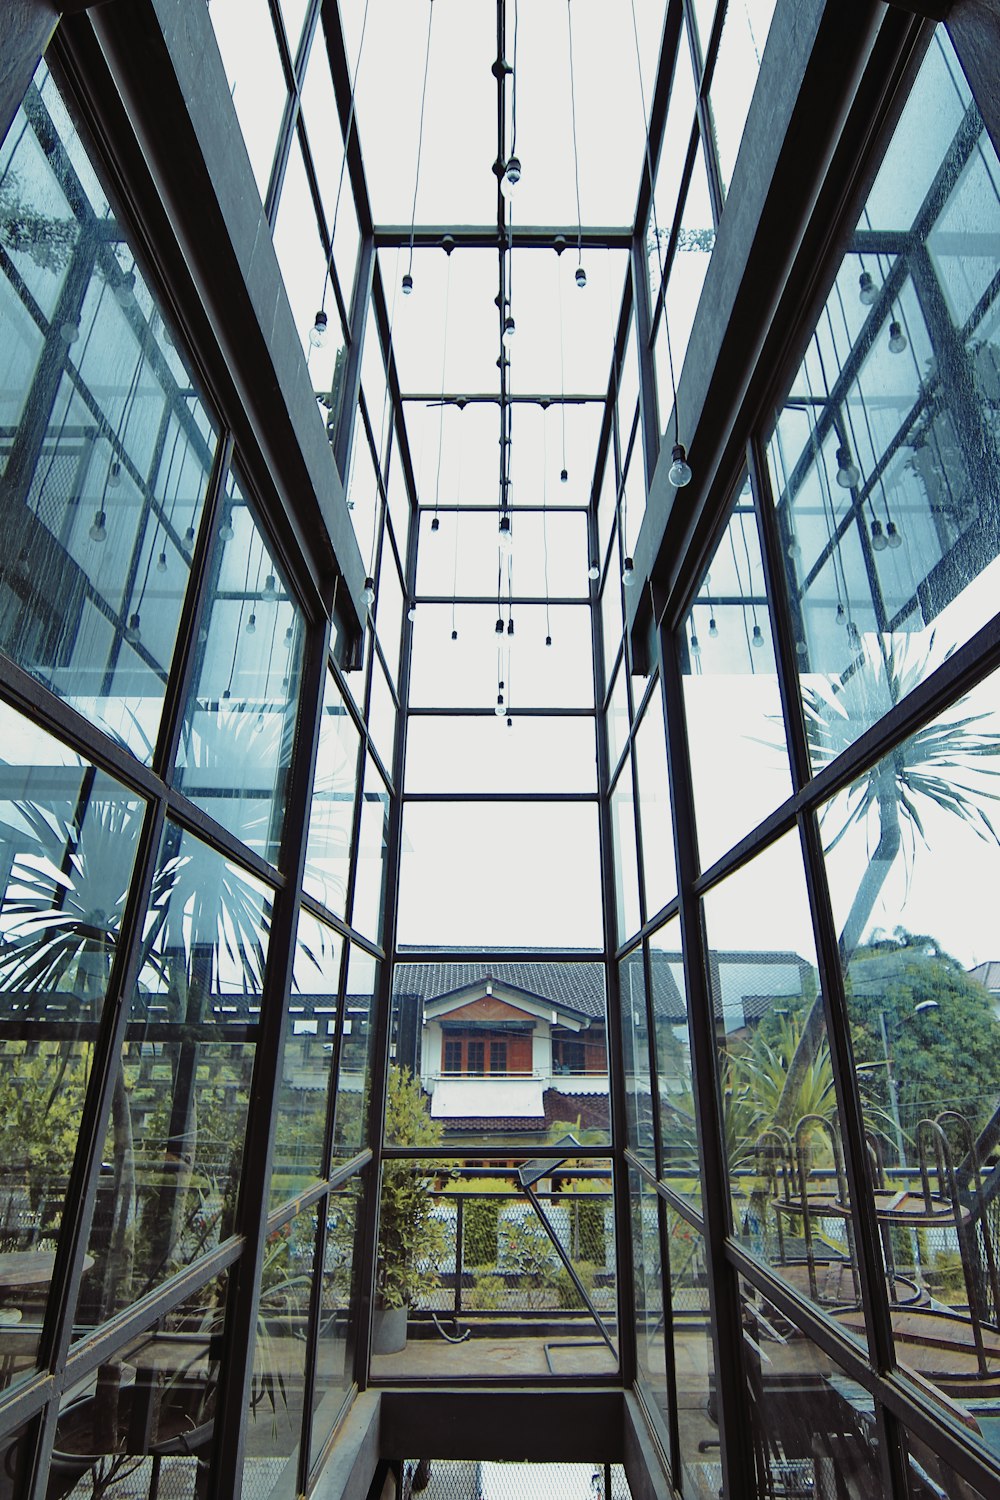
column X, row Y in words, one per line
column 545, row 512
column 656, row 227
column 420, row 129
column 444, row 363
column 576, row 154
column 343, row 160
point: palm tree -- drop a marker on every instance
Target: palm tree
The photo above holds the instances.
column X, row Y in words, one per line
column 939, row 766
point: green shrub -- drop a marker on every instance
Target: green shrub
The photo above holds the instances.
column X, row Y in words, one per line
column 481, row 1219
column 486, row 1294
column 587, row 1230
column 567, row 1295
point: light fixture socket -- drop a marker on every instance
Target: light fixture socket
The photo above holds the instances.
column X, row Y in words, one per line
column 867, row 291
column 454, row 635
column 407, row 283
column 892, row 537
column 510, row 625
column 435, row 523
column 548, row 640
column 368, row 592
column 848, row 473
column 713, row 628
column 897, row 338
column 252, row 624
column 161, row 563
column 679, row 472
column 499, row 626
column 99, row 530
column 628, row 573
column 757, row 638
column 270, row 590
column 695, row 646
column 319, row 332
column 509, row 328
column 411, row 613
column 512, row 172
column 593, row 572
column 581, row 277
column 879, row 539
column 563, row 476
column 226, row 529
column 133, row 633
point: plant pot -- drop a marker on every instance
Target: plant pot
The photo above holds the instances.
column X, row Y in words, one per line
column 389, row 1329
column 179, row 1432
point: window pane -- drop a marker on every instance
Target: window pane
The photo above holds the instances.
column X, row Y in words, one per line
column 647, row 1279
column 739, row 763
column 734, row 79
column 174, row 1145
column 351, row 1124
column 556, row 676
column 334, row 791
column 789, row 1194
column 373, row 840
column 277, row 1388
column 685, row 279
column 908, row 846
column 334, row 1376
column 694, row 1359
column 626, row 857
column 464, row 878
column 245, row 34
column 656, row 824
column 300, row 257
column 681, row 1166
column 670, row 168
column 451, row 754
column 509, row 1051
column 548, row 558
column 236, row 741
column 68, row 838
column 636, row 1044
column 106, row 444
column 321, row 118
column 884, row 457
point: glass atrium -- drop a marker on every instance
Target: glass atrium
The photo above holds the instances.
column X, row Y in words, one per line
column 501, row 519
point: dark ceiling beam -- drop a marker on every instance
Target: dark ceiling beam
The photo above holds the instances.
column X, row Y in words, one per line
column 486, row 236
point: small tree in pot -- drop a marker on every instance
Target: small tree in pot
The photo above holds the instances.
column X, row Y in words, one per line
column 411, row 1240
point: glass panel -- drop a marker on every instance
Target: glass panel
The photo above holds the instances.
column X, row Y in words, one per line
column 694, row 1359
column 300, row 253
column 884, row 457
column 245, row 34
column 382, row 714
column 814, row 1430
column 612, row 615
column 151, row 1408
column 933, row 1478
column 685, row 279
column 509, row 1052
column 471, row 1247
column 655, row 821
column 320, row 115
column 236, row 741
column 556, row 676
column 15, row 1447
column 647, row 1280
column 734, row 79
column 548, row 558
column 68, row 838
column 451, row 754
column 334, row 1375
column 350, row 1127
column 389, row 610
column 907, row 846
column 174, row 1145
column 670, row 168
column 464, row 877
column 618, row 717
column 105, row 443
column 636, row 1043
column 681, row 1166
column 364, row 497
column 789, row 1194
column 739, row 763
column 626, row 856
column 277, row 1389
column 300, row 1120
column 373, row 840
column 334, row 790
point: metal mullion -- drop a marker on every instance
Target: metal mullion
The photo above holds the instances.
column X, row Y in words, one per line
column 519, row 601
column 489, row 237
column 460, row 1151
column 81, row 1190
column 724, row 1303
column 617, row 1089
column 672, row 233
column 329, row 918
column 486, row 509
column 490, row 796
column 480, row 956
column 649, row 420
column 242, row 1303
column 286, row 133
column 652, row 925
column 487, row 713
column 24, row 1403
column 345, row 436
column 312, row 1342
column 492, row 398
column 333, row 1074
column 609, row 1382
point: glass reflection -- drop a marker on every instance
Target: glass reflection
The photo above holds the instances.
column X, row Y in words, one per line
column 694, row 1359
column 784, row 1144
column 636, row 1044
column 106, row 443
column 351, row 1120
column 334, row 791
column 334, row 1375
column 236, row 741
column 681, row 1166
column 884, row 456
column 277, row 1390
column 174, row 1147
column 906, row 846
column 647, row 1278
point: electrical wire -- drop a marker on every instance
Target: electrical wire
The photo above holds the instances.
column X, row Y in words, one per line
column 576, row 155
column 420, row 131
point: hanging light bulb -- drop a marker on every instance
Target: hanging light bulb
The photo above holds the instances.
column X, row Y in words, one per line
column 853, row 634
column 593, row 572
column 841, row 614
column 867, row 291
column 499, row 626
column 269, row 592
column 454, row 635
column 252, row 624
column 892, row 536
column 757, row 638
column 879, row 540
column 114, row 475
column 69, row 331
column 713, row 628
column 161, row 563
column 679, row 472
column 695, row 645
column 563, row 475
column 505, row 536
column 407, row 283
column 848, row 473
column 133, row 633
column 320, row 331
column 510, row 722
column 509, row 329
column 435, row 523
column 511, row 175
column 548, row 640
column 99, row 529
column 227, row 694
column 189, row 537
column 411, row 613
column 368, row 592
column 124, row 290
column 226, row 529
column 897, row 338
column 510, row 625
column 581, row 277
column 628, row 573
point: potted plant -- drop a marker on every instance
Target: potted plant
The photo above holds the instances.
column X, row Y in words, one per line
column 411, row 1240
